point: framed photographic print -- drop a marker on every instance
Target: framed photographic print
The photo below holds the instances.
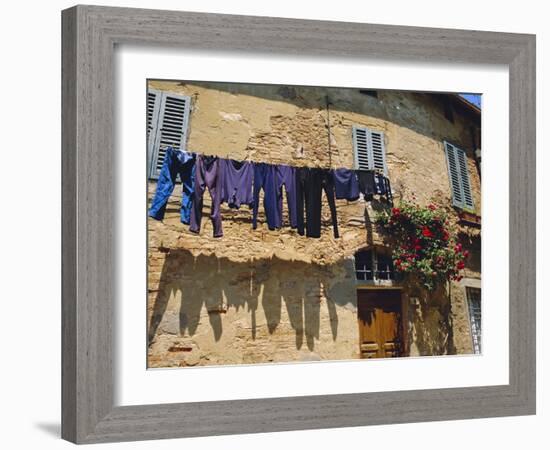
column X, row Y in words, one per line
column 266, row 234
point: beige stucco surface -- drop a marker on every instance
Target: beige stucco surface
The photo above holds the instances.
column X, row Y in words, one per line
column 272, row 296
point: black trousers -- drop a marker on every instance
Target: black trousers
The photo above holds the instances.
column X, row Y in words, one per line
column 310, row 182
column 366, row 183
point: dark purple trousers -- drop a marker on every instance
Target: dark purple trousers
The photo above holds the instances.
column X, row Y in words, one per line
column 208, row 174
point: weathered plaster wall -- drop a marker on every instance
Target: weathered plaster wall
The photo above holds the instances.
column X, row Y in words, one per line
column 262, row 296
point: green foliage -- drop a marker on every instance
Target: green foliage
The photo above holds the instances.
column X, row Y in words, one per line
column 425, row 246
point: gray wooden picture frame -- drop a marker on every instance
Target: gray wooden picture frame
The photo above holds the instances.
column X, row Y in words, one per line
column 89, row 35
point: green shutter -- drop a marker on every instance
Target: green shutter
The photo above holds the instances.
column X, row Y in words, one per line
column 459, row 179
column 369, row 149
column 170, row 129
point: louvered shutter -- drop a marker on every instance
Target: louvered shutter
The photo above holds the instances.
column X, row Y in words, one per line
column 458, row 177
column 171, row 128
column 369, row 149
column 378, row 151
column 153, row 107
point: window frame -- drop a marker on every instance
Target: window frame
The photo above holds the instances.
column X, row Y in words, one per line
column 374, row 253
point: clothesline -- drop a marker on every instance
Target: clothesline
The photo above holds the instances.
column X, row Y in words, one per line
column 240, row 182
column 246, row 159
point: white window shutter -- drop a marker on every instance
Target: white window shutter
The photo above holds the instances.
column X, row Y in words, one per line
column 361, row 152
column 171, row 128
column 369, row 149
column 459, row 178
column 378, row 151
column 465, row 179
column 154, row 98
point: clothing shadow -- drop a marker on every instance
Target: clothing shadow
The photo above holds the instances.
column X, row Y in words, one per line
column 191, row 286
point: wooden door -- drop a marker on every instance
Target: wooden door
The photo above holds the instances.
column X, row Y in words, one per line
column 380, row 324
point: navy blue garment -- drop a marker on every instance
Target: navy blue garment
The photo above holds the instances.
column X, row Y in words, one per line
column 366, row 183
column 371, row 183
column 286, row 176
column 237, row 183
column 176, row 162
column 265, row 177
column 310, row 182
column 346, row 184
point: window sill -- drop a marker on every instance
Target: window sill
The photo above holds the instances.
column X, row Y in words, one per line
column 470, row 219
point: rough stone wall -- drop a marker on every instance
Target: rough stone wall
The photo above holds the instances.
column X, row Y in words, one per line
column 269, row 296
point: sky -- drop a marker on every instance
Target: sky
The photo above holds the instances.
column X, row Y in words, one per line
column 473, row 98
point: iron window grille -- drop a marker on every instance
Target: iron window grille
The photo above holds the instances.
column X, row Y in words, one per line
column 474, row 307
column 374, row 266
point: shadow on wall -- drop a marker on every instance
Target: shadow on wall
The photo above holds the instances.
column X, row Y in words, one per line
column 259, row 286
column 432, row 322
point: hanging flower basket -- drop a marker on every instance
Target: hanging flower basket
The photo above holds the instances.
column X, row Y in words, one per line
column 425, row 247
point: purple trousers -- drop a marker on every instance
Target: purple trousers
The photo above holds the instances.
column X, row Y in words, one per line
column 208, row 174
column 286, row 176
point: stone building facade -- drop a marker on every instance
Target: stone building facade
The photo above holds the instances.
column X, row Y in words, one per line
column 260, row 296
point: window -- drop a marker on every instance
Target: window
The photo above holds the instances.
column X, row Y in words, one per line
column 369, row 92
column 474, row 308
column 369, row 149
column 374, row 266
column 459, row 179
column 167, row 122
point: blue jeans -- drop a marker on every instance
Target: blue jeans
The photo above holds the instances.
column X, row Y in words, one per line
column 176, row 162
column 265, row 177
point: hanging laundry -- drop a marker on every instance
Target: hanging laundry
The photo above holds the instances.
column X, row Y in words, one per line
column 176, row 162
column 366, row 183
column 346, row 184
column 371, row 182
column 286, row 176
column 310, row 182
column 237, row 183
column 385, row 189
column 266, row 178
column 208, row 174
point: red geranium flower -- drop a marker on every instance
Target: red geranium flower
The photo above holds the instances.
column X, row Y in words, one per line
column 431, row 207
column 426, row 232
column 395, row 211
column 460, row 265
